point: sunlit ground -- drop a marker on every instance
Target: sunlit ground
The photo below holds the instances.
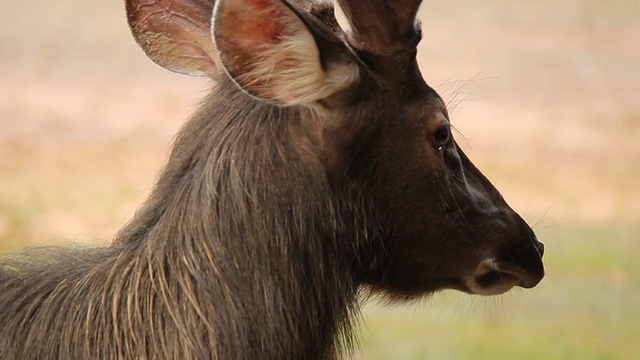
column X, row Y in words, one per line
column 545, row 95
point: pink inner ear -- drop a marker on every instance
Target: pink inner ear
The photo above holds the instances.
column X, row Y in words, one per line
column 267, row 49
column 262, row 21
column 246, row 30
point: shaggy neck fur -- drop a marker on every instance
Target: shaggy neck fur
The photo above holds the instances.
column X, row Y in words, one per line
column 237, row 254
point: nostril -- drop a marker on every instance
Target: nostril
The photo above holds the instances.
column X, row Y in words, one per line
column 539, row 246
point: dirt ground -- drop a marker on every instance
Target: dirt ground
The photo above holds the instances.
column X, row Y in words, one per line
column 546, row 95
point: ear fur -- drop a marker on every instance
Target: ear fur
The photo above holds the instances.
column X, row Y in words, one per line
column 272, row 52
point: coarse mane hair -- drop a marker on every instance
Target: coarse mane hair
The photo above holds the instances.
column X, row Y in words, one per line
column 250, row 226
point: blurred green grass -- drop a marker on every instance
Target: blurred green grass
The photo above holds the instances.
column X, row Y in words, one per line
column 63, row 192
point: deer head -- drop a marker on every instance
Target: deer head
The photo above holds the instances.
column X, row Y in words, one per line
column 421, row 217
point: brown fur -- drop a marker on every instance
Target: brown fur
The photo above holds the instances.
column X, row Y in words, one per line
column 216, row 253
column 177, row 283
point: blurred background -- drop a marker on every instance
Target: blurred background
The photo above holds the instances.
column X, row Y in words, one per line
column 545, row 96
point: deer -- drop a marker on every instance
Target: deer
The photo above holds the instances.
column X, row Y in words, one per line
column 320, row 170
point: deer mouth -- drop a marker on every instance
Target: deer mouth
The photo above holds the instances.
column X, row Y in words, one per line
column 494, row 278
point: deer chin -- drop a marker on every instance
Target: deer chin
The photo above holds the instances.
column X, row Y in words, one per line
column 494, row 278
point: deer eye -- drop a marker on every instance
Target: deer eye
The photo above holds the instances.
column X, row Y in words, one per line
column 442, row 136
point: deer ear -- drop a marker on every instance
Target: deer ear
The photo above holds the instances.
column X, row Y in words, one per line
column 275, row 52
column 176, row 34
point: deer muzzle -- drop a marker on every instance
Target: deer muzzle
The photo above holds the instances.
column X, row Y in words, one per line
column 521, row 266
